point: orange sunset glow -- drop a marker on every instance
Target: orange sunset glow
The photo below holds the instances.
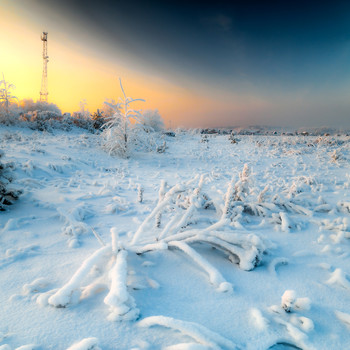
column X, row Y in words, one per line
column 75, row 75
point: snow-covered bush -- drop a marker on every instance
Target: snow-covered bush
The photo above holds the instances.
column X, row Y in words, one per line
column 7, row 194
column 82, row 118
column 37, row 115
column 232, row 138
column 80, row 121
column 49, row 120
column 44, row 120
column 125, row 132
column 153, row 120
column 45, row 116
column 28, row 105
column 98, row 119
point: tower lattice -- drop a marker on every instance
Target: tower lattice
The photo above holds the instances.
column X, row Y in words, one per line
column 43, row 91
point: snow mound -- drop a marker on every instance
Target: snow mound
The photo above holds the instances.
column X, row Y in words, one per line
column 85, row 344
column 338, row 277
column 343, row 317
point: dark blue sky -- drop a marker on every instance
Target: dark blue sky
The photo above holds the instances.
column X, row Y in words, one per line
column 274, row 44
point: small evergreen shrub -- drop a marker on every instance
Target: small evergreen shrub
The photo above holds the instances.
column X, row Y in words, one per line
column 7, row 195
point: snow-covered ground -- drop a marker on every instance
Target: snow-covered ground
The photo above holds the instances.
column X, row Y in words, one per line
column 210, row 245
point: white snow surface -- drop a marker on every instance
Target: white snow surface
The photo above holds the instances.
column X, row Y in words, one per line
column 286, row 195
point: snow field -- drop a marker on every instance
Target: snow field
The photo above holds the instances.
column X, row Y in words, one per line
column 95, row 239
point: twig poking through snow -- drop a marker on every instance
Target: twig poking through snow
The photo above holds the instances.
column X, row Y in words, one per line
column 140, row 193
column 98, row 237
column 115, row 239
column 156, row 210
column 161, row 195
column 285, row 224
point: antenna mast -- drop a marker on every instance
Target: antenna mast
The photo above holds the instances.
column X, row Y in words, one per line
column 43, row 91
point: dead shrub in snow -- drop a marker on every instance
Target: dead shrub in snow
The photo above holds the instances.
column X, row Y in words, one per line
column 183, row 209
column 49, row 120
column 41, row 120
column 186, row 205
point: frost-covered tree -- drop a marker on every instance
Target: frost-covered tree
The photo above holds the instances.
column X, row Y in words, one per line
column 124, row 131
column 6, row 97
column 83, row 112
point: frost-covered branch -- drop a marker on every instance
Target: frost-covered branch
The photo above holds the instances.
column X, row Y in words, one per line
column 196, row 331
column 161, row 205
column 63, row 296
column 215, row 276
column 121, row 303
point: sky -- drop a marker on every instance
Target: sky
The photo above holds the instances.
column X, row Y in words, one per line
column 201, row 64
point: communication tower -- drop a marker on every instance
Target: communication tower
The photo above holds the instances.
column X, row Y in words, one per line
column 43, row 91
